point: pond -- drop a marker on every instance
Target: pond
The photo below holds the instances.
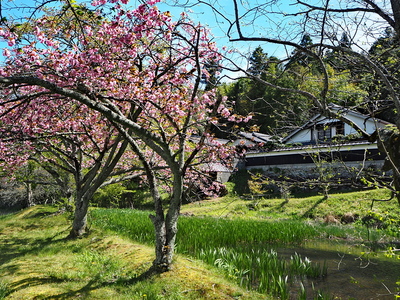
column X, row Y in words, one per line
column 350, row 275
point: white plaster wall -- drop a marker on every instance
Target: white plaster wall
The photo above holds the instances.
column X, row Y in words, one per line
column 301, row 136
column 368, row 125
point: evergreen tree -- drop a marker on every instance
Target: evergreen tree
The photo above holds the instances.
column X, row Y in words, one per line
column 345, row 41
column 338, row 59
column 299, row 57
column 258, row 68
column 211, row 79
column 383, row 43
column 276, row 111
column 258, row 62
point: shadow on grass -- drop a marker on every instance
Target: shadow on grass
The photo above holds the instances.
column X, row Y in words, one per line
column 309, row 212
column 94, row 283
column 14, row 249
column 283, row 204
column 5, row 212
column 277, row 208
column 37, row 281
column 32, row 281
column 16, row 243
column 40, row 214
column 18, row 247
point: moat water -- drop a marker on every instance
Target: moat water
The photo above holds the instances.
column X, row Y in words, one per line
column 352, row 273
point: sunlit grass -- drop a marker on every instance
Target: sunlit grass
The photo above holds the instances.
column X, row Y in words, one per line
column 239, row 236
column 314, row 207
column 240, row 248
column 38, row 262
column 4, row 290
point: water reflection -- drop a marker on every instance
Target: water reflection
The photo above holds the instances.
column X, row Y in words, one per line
column 351, row 275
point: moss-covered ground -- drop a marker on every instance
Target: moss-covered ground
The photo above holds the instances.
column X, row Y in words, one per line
column 37, row 262
column 356, row 203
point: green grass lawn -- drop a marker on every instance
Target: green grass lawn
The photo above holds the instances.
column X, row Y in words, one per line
column 312, row 207
column 37, row 262
column 240, row 236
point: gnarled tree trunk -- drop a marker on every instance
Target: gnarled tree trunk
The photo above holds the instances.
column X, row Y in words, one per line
column 166, row 227
column 388, row 143
column 29, row 194
column 79, row 224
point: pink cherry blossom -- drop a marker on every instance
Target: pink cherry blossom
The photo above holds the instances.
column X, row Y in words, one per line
column 131, row 76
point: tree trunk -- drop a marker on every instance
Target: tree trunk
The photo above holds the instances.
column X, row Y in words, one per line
column 388, row 144
column 161, row 262
column 165, row 232
column 79, row 225
column 166, row 228
column 29, row 195
column 396, row 16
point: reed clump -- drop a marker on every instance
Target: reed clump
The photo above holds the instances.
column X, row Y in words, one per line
column 242, row 249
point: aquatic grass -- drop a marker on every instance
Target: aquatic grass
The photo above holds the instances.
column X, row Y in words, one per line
column 240, row 248
column 262, row 269
column 130, row 223
column 302, row 266
column 195, row 233
column 4, row 290
column 354, row 232
column 211, row 232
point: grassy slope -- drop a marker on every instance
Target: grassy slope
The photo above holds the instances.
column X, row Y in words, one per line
column 36, row 262
column 315, row 207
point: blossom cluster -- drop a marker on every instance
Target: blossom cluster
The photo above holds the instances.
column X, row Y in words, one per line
column 139, row 62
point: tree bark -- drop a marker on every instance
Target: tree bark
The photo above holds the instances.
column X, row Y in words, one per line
column 160, row 263
column 388, row 143
column 29, row 195
column 79, row 225
column 396, row 16
column 166, row 227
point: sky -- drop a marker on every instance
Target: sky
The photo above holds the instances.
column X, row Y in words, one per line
column 267, row 24
column 199, row 13
column 281, row 24
column 219, row 26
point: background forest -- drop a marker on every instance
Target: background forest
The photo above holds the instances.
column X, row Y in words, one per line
column 277, row 112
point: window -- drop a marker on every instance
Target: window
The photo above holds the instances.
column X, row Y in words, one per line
column 340, row 128
column 324, row 133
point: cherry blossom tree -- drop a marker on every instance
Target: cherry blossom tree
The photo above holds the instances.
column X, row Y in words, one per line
column 142, row 72
column 64, row 137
